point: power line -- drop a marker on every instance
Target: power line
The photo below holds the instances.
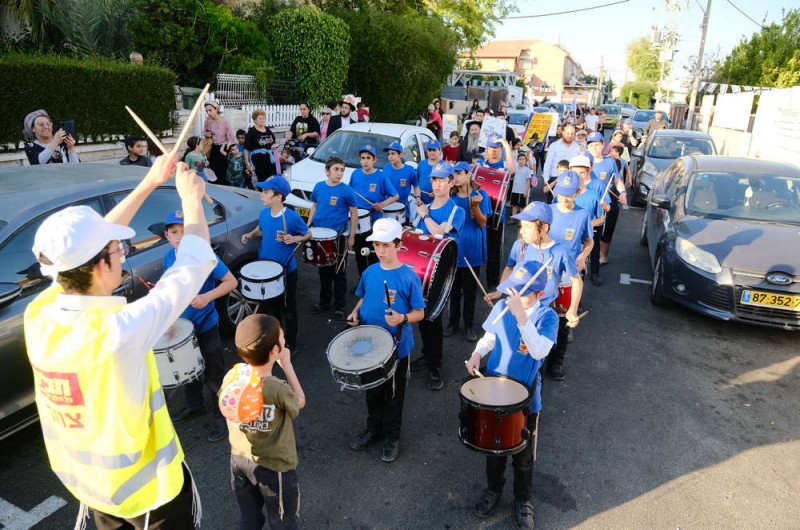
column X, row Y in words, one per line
column 748, row 17
column 569, row 12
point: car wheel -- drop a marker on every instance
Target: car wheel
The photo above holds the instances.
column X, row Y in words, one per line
column 643, row 233
column 657, row 285
column 232, row 309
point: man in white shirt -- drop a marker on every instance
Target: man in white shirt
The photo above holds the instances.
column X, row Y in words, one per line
column 563, row 149
column 592, row 119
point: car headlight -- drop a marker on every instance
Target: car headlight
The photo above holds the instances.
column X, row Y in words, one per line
column 643, row 189
column 287, row 174
column 697, row 257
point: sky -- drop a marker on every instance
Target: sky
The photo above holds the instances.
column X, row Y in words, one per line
column 605, row 32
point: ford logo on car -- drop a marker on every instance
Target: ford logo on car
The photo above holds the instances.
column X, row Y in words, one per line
column 779, row 278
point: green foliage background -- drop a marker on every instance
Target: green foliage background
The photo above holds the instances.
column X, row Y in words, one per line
column 95, row 96
column 638, row 93
column 642, row 59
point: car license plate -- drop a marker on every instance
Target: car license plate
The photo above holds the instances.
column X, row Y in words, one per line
column 778, row 301
column 304, row 212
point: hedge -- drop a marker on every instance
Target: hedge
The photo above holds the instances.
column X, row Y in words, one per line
column 91, row 92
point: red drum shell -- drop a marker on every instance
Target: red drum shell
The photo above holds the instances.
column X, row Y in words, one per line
column 494, row 429
column 495, row 183
column 564, row 299
column 434, row 260
column 321, row 249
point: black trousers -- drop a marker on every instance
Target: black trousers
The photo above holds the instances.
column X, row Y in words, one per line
column 494, row 246
column 211, row 348
column 290, row 309
column 362, row 262
column 385, row 403
column 522, row 463
column 218, row 164
column 257, row 487
column 559, row 349
column 607, row 230
column 594, row 257
column 432, row 340
column 464, row 284
column 174, row 515
column 333, row 284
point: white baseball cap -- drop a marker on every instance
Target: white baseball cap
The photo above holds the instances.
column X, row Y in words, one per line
column 580, row 161
column 386, row 230
column 72, row 236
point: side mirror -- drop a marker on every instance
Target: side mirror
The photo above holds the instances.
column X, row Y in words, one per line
column 310, row 151
column 660, row 201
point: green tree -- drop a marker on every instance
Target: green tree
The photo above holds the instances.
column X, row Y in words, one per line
column 637, row 92
column 41, row 16
column 769, row 58
column 642, row 59
column 95, row 28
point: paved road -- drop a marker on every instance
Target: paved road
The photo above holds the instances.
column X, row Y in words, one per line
column 667, row 419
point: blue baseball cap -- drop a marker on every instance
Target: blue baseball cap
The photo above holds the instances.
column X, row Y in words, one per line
column 521, row 275
column 433, row 144
column 368, row 149
column 442, row 170
column 536, row 211
column 568, row 184
column 462, row 166
column 394, row 146
column 595, row 137
column 174, row 218
column 494, row 141
column 277, row 183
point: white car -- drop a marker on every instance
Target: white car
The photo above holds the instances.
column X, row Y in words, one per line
column 518, row 121
column 344, row 144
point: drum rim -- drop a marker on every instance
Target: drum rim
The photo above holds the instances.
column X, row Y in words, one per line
column 482, row 406
column 373, row 384
column 243, row 276
column 497, row 452
column 391, row 207
column 349, row 330
column 448, row 284
column 314, row 238
column 183, row 341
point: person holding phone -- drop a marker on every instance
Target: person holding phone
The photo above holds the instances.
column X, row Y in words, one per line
column 42, row 146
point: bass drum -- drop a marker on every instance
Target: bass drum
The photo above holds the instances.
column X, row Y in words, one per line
column 495, row 182
column 434, row 259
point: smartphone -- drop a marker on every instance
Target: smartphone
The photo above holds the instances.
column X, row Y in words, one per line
column 69, row 127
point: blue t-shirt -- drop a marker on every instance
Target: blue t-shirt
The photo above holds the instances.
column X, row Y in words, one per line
column 510, row 355
column 272, row 246
column 206, row 318
column 589, row 200
column 375, row 187
column 571, row 228
column 472, row 239
column 602, row 171
column 500, row 164
column 333, row 205
column 424, row 169
column 405, row 292
column 442, row 214
column 560, row 270
column 402, row 179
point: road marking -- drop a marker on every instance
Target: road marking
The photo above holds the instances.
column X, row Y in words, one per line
column 625, row 279
column 13, row 518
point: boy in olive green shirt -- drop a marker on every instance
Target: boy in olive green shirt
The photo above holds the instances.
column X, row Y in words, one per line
column 263, row 451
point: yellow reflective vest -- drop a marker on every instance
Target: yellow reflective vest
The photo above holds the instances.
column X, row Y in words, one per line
column 115, row 453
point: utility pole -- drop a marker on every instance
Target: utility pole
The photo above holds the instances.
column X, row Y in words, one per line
column 698, row 68
column 600, row 80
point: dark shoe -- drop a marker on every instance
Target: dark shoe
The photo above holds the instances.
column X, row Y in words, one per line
column 364, row 440
column 524, row 513
column 596, row 280
column 419, row 364
column 185, row 415
column 338, row 314
column 450, row 331
column 470, row 335
column 556, row 372
column 219, row 431
column 435, row 379
column 391, row 448
column 319, row 308
column 487, row 503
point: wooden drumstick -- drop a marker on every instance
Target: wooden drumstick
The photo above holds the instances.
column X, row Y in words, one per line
column 579, row 318
column 365, row 199
column 477, row 372
column 524, row 288
column 547, row 185
column 477, row 280
column 197, row 106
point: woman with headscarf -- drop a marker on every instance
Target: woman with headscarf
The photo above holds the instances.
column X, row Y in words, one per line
column 323, row 125
column 44, row 147
column 220, row 131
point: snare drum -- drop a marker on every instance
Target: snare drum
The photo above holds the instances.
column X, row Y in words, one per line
column 396, row 211
column 494, row 415
column 321, row 249
column 262, row 280
column 495, row 183
column 178, row 356
column 434, row 260
column 364, row 222
column 362, row 357
column 564, row 299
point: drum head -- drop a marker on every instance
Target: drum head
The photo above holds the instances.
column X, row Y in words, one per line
column 495, row 391
column 178, row 332
column 262, row 270
column 395, row 207
column 360, row 348
column 318, row 232
column 363, row 213
column 442, row 279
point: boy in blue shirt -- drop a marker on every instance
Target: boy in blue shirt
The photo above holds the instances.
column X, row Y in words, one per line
column 203, row 314
column 373, row 192
column 471, row 248
column 385, row 402
column 402, row 176
column 442, row 218
column 281, row 230
column 433, row 152
column 333, row 205
column 517, row 346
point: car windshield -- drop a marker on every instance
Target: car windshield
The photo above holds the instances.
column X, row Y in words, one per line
column 517, row 119
column 610, row 109
column 670, row 147
column 644, row 115
column 345, row 145
column 762, row 197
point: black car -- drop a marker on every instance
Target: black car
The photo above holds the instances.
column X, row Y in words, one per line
column 659, row 151
column 723, row 236
column 29, row 194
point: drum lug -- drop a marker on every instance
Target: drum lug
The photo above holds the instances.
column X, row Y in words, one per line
column 195, row 342
column 170, row 356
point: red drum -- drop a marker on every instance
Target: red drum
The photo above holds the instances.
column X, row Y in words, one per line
column 495, row 183
column 564, row 299
column 321, row 249
column 434, row 259
column 494, row 415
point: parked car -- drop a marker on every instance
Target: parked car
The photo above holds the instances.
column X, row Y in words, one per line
column 628, row 110
column 723, row 236
column 659, row 151
column 641, row 117
column 539, row 110
column 345, row 144
column 613, row 114
column 559, row 107
column 29, row 194
column 519, row 122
